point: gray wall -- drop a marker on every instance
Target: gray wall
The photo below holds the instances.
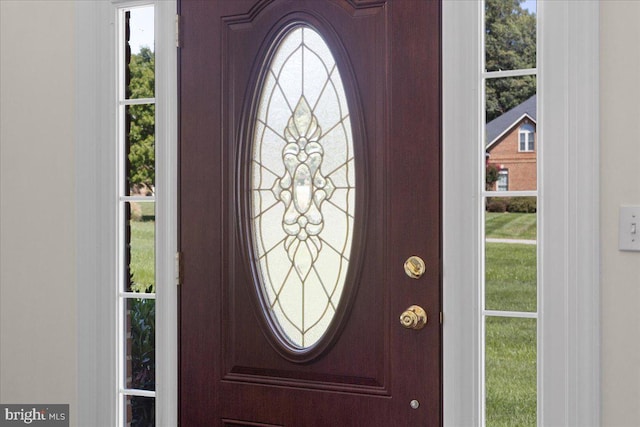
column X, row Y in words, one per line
column 620, row 184
column 37, row 200
column 37, row 194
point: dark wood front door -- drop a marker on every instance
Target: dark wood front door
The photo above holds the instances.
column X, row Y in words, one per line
column 302, row 331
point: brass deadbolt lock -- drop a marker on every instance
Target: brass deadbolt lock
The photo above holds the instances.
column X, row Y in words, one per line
column 414, row 267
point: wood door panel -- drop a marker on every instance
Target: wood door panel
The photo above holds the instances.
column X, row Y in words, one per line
column 238, row 423
column 232, row 369
column 362, row 340
column 317, row 408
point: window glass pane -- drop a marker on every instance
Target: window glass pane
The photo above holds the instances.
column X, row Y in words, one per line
column 510, row 34
column 511, row 254
column 139, row 411
column 510, row 277
column 140, row 53
column 519, row 222
column 510, row 140
column 140, row 155
column 140, row 254
column 140, row 333
column 508, row 95
column 510, row 357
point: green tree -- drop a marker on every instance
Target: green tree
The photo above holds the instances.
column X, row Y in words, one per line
column 141, row 176
column 141, row 122
column 491, row 176
column 510, row 43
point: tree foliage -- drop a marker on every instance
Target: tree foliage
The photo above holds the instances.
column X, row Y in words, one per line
column 142, row 350
column 510, row 43
column 141, row 176
column 491, row 176
column 141, row 122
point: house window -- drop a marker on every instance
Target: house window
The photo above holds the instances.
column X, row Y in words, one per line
column 526, row 133
column 136, row 219
column 503, row 180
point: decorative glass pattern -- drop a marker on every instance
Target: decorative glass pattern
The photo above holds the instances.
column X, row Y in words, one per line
column 303, row 187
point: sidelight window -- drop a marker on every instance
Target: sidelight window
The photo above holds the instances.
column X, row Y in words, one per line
column 509, row 269
column 136, row 219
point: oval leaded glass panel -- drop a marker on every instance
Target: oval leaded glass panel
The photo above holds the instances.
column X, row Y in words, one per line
column 303, row 187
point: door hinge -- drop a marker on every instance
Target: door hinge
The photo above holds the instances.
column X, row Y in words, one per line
column 441, row 318
column 178, row 268
column 178, row 41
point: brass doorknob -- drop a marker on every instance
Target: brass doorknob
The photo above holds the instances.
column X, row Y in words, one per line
column 414, row 317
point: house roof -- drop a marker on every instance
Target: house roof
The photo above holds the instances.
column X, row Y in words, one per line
column 501, row 124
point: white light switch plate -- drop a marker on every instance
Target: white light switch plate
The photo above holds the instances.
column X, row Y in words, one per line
column 629, row 228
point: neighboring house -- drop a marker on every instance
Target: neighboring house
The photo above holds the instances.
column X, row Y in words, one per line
column 511, row 145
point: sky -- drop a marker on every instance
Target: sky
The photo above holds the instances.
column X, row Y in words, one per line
column 141, row 24
column 530, row 5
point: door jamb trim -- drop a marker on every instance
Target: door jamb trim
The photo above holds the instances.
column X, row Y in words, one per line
column 569, row 326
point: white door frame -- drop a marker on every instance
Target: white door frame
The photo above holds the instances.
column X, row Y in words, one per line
column 568, row 298
column 568, row 352
column 96, row 151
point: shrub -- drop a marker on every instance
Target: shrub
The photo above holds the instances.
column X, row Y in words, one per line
column 491, row 176
column 522, row 205
column 497, row 204
column 142, row 318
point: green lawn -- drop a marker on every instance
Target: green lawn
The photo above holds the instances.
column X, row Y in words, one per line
column 148, row 210
column 510, row 359
column 511, row 225
column 510, row 355
column 510, row 277
column 143, row 251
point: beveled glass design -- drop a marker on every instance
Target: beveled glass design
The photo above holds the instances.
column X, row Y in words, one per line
column 303, row 187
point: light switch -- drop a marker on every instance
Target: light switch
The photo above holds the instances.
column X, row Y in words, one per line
column 629, row 228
